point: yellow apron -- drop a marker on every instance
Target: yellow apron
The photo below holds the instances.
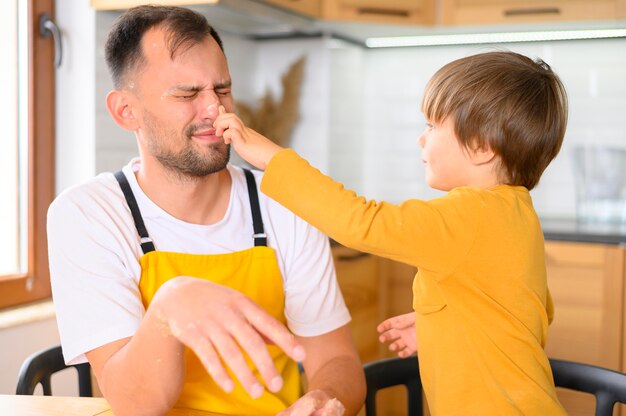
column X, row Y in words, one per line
column 253, row 272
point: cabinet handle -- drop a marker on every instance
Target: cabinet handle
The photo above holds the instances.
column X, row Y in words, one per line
column 531, row 11
column 382, row 12
column 356, row 256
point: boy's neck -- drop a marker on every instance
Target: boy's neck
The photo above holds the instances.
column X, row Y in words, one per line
column 485, row 175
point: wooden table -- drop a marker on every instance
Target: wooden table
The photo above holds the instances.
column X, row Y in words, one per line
column 11, row 405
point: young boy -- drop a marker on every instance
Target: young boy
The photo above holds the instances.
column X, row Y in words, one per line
column 482, row 307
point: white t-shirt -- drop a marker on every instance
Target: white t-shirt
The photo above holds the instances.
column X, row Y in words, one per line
column 94, row 256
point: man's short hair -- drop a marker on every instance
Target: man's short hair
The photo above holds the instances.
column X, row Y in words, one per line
column 507, row 101
column 123, row 52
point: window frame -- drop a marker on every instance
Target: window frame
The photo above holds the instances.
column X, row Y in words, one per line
column 35, row 283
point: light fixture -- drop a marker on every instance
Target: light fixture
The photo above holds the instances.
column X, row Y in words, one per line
column 502, row 37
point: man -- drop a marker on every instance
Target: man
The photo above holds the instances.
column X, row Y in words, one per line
column 174, row 277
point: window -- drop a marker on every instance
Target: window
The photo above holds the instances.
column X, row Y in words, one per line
column 27, row 156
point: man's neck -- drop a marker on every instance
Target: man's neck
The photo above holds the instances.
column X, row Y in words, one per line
column 193, row 200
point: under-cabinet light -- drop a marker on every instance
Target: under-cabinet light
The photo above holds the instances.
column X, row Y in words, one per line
column 504, row 37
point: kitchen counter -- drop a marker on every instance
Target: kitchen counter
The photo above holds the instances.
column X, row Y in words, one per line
column 572, row 230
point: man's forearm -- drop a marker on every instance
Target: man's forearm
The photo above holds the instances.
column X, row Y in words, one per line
column 145, row 376
column 343, row 378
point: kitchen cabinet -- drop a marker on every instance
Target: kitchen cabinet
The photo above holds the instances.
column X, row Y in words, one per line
column 364, row 293
column 586, row 281
column 427, row 12
column 484, row 12
column 398, row 300
column 374, row 289
column 418, row 12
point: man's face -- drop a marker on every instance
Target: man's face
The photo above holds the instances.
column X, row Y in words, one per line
column 177, row 100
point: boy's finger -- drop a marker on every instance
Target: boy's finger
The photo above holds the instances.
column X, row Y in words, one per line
column 221, row 125
column 226, row 136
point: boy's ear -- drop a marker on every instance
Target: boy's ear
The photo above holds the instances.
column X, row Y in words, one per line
column 121, row 108
column 482, row 155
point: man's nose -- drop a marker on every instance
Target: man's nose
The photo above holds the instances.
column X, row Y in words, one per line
column 209, row 106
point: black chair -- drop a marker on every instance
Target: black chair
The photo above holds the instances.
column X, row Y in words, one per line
column 39, row 367
column 606, row 385
column 390, row 372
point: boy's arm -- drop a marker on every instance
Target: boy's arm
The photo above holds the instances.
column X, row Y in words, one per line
column 379, row 228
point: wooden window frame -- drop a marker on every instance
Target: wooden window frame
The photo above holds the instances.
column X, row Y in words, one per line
column 35, row 283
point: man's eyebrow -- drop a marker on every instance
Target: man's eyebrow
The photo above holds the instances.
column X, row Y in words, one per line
column 222, row 85
column 197, row 88
column 183, row 88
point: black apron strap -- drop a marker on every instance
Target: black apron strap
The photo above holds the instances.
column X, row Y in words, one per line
column 146, row 242
column 260, row 239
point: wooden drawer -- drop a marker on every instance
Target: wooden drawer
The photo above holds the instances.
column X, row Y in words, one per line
column 479, row 12
column 418, row 12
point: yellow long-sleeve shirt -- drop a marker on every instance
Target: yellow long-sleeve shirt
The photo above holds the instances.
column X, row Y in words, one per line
column 480, row 295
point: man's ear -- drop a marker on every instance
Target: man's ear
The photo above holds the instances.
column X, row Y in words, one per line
column 121, row 108
column 482, row 155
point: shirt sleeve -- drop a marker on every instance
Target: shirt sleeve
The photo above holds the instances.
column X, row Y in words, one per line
column 416, row 232
column 96, row 297
column 314, row 304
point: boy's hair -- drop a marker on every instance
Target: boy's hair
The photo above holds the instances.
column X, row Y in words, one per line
column 123, row 51
column 506, row 101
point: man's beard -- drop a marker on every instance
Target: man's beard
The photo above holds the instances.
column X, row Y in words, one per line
column 190, row 162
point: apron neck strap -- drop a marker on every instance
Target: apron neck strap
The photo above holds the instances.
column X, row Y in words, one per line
column 146, row 242
column 260, row 238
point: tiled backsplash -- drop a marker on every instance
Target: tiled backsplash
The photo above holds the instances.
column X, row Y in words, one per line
column 360, row 116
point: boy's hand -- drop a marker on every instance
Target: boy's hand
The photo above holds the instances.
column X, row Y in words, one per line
column 399, row 331
column 253, row 147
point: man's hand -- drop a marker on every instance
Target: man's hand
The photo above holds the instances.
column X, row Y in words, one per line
column 315, row 403
column 217, row 322
column 399, row 331
column 250, row 145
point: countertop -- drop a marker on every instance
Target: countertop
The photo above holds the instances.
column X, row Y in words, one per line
column 572, row 230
